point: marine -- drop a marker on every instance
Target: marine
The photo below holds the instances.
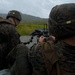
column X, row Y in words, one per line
column 56, row 57
column 9, row 37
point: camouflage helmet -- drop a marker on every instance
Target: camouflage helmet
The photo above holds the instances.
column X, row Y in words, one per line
column 14, row 13
column 61, row 22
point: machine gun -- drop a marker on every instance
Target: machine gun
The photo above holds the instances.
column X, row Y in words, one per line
column 38, row 33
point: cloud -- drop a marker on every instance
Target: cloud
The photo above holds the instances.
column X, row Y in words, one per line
column 39, row 8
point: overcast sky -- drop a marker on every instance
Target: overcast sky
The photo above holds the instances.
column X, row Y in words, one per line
column 38, row 8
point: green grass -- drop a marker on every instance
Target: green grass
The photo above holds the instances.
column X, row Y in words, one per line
column 26, row 29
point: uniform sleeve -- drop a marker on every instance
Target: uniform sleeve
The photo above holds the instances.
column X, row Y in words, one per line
column 21, row 65
column 36, row 59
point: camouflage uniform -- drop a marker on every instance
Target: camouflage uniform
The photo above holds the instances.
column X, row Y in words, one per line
column 8, row 39
column 59, row 61
column 36, row 59
column 21, row 66
column 66, row 55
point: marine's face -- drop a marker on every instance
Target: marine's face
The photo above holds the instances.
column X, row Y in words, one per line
column 14, row 21
column 70, row 41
